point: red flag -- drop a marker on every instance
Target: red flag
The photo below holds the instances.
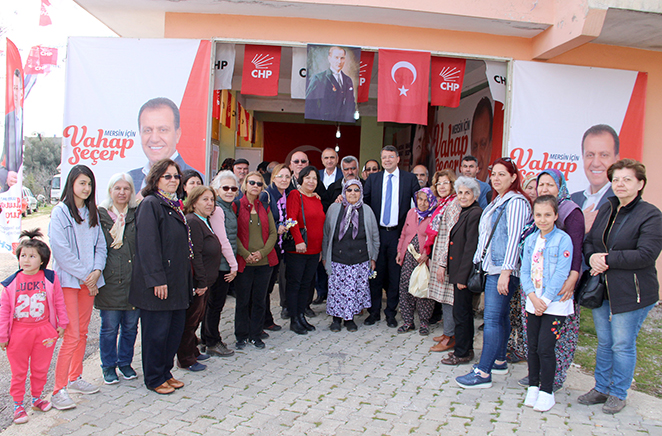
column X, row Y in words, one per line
column 365, row 73
column 261, row 70
column 216, row 108
column 44, row 18
column 39, row 60
column 404, row 78
column 447, row 79
column 229, row 109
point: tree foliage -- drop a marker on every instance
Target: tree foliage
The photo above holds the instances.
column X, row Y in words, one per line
column 41, row 157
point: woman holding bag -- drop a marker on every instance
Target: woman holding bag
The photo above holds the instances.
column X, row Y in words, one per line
column 413, row 232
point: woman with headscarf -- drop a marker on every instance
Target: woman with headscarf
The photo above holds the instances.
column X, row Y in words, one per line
column 413, row 232
column 349, row 252
column 571, row 221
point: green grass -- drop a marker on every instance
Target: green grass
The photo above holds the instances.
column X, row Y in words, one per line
column 649, row 344
column 43, row 210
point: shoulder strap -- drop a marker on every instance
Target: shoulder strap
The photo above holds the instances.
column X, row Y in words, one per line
column 302, row 213
column 482, row 256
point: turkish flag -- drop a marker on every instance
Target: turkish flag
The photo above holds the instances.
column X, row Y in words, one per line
column 404, row 78
column 261, row 70
column 447, row 80
column 365, row 74
column 44, row 18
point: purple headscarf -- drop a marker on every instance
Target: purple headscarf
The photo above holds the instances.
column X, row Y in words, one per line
column 432, row 201
column 351, row 210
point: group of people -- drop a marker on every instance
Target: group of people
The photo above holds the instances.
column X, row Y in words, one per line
column 171, row 261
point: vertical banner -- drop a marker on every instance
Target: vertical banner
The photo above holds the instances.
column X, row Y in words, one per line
column 44, row 18
column 332, row 74
column 365, row 75
column 298, row 83
column 216, row 115
column 228, row 120
column 224, row 66
column 261, row 70
column 404, row 78
column 119, row 117
column 11, row 158
column 447, row 80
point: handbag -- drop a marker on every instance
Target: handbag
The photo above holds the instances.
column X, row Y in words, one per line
column 591, row 290
column 478, row 277
column 288, row 239
column 420, row 277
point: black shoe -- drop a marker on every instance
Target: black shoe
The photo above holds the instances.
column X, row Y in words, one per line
column 524, row 382
column 319, row 300
column 309, row 313
column 371, row 319
column 284, row 314
column 264, row 335
column 257, row 342
column 241, row 344
column 304, row 322
column 434, row 319
column 391, row 322
column 335, row 325
column 351, row 325
column 297, row 327
column 273, row 328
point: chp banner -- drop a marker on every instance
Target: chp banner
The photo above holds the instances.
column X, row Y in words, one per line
column 447, row 79
column 224, row 66
column 11, row 158
column 404, row 78
column 40, row 59
column 365, row 75
column 332, row 78
column 261, row 70
column 121, row 117
column 298, row 81
column 555, row 106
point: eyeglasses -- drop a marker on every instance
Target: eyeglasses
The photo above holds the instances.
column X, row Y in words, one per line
column 445, row 182
column 229, row 188
column 253, row 183
column 303, row 161
column 281, row 176
column 170, row 176
column 352, row 190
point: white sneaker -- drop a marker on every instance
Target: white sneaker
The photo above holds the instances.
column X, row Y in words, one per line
column 62, row 400
column 531, row 396
column 544, row 402
column 80, row 386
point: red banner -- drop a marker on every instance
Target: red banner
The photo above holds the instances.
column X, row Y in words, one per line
column 261, row 70
column 447, row 80
column 404, row 78
column 365, row 74
column 44, row 18
column 229, row 108
column 39, row 60
column 216, row 108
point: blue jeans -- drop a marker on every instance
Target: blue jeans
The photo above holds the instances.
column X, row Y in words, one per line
column 616, row 356
column 126, row 321
column 497, row 322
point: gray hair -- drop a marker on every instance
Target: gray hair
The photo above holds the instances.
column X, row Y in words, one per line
column 468, row 182
column 227, row 174
column 108, row 202
column 348, row 159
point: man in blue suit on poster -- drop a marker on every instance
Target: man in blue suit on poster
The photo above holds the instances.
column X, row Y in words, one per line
column 330, row 94
column 158, row 123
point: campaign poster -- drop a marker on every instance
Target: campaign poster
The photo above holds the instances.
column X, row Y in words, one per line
column 132, row 102
column 578, row 120
column 332, row 81
column 11, row 154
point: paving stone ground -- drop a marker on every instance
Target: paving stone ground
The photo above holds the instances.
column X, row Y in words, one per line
column 372, row 382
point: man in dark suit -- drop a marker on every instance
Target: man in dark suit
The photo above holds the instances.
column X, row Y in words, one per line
column 600, row 149
column 330, row 94
column 158, row 123
column 389, row 193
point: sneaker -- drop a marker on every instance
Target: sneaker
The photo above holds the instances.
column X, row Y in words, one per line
column 474, row 380
column 127, row 372
column 613, row 405
column 202, row 357
column 531, row 396
column 20, row 417
column 41, row 405
column 241, row 344
column 544, row 402
column 273, row 328
column 197, row 366
column 592, row 397
column 500, row 368
column 257, row 342
column 80, row 386
column 62, row 400
column 524, row 382
column 110, row 376
column 264, row 335
column 220, row 349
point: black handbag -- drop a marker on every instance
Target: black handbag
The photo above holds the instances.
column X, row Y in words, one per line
column 478, row 277
column 288, row 239
column 591, row 290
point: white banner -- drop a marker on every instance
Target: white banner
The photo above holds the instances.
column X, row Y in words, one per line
column 299, row 59
column 496, row 77
column 224, row 66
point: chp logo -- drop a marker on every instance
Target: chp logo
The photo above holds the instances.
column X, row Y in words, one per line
column 262, row 64
column 449, row 78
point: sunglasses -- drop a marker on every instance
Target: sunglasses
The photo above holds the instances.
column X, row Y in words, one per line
column 352, row 190
column 372, row 170
column 303, row 161
column 229, row 188
column 170, row 176
column 253, row 183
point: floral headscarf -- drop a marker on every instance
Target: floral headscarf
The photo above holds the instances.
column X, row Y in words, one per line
column 351, row 215
column 432, row 201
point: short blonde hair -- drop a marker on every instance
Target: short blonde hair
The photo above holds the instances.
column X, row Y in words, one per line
column 244, row 184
